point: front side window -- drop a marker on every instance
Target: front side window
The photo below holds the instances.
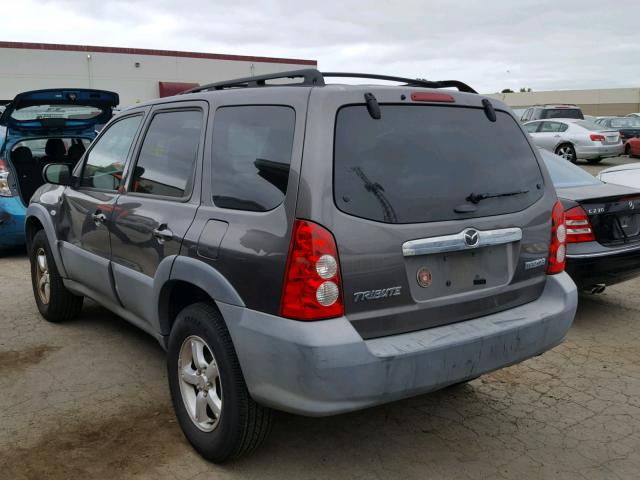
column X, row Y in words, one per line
column 168, row 155
column 251, row 156
column 106, row 160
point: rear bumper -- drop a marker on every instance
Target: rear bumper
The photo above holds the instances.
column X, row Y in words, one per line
column 324, row 368
column 607, row 267
column 598, row 151
column 12, row 217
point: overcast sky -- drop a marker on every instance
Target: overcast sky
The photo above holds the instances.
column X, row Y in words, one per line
column 491, row 45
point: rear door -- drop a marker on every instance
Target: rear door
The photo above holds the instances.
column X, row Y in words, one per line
column 87, row 207
column 549, row 135
column 439, row 214
column 159, row 201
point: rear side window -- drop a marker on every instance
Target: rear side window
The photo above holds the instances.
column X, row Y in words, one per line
column 419, row 163
column 168, row 155
column 562, row 113
column 251, row 156
column 105, row 162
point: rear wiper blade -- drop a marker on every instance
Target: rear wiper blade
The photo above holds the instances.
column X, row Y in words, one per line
column 478, row 197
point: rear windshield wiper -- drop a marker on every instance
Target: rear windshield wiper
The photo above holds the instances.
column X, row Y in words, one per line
column 478, row 197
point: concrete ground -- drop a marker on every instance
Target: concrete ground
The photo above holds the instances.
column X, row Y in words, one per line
column 89, row 399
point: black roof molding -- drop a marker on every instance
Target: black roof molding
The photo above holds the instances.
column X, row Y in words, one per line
column 311, row 77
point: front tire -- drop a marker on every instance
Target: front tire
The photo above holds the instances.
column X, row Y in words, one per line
column 209, row 394
column 567, row 152
column 54, row 301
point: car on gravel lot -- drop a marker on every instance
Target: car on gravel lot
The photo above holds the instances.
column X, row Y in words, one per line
column 541, row 112
column 628, row 127
column 632, row 147
column 575, row 139
column 38, row 128
column 627, row 175
column 603, row 226
column 309, row 247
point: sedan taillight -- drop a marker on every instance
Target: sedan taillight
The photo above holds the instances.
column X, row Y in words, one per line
column 597, row 138
column 578, row 226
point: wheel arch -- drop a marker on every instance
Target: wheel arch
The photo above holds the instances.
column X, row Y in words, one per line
column 37, row 219
column 191, row 281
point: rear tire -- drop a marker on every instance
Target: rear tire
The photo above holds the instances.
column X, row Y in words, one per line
column 567, row 152
column 594, row 160
column 203, row 367
column 627, row 150
column 54, row 301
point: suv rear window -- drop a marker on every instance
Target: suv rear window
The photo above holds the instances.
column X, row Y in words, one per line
column 561, row 113
column 418, row 163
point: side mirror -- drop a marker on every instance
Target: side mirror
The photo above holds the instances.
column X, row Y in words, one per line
column 57, row 173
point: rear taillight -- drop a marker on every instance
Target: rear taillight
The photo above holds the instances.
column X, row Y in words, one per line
column 312, row 287
column 578, row 226
column 597, row 138
column 5, row 190
column 558, row 247
column 432, row 97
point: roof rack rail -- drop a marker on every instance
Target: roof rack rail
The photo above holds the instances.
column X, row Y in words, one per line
column 412, row 82
column 309, row 76
column 314, row 78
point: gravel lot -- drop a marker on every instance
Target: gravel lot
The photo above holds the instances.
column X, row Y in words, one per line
column 89, row 399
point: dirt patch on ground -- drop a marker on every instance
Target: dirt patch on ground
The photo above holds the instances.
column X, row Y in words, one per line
column 117, row 446
column 18, row 359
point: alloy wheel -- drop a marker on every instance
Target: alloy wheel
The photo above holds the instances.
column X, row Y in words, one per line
column 42, row 276
column 200, row 384
column 566, row 152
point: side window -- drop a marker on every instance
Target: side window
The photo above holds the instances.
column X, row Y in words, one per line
column 167, row 158
column 532, row 127
column 563, row 127
column 105, row 162
column 527, row 115
column 550, row 127
column 251, row 156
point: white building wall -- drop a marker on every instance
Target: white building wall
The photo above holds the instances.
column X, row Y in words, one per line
column 25, row 69
column 611, row 101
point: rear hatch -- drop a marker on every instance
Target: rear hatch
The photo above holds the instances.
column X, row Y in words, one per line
column 44, row 111
column 613, row 211
column 439, row 214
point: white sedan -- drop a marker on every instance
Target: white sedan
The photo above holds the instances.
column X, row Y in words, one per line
column 575, row 139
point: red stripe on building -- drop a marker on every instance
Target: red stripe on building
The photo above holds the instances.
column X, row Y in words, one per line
column 160, row 53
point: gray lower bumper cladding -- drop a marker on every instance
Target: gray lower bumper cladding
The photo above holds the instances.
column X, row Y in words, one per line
column 325, row 368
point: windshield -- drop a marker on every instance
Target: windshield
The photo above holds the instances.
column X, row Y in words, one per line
column 627, row 122
column 75, row 112
column 564, row 173
column 419, row 163
column 561, row 113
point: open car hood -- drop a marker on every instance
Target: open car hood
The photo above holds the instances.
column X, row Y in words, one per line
column 59, row 109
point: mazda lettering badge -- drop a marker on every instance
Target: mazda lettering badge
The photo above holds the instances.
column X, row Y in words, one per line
column 471, row 237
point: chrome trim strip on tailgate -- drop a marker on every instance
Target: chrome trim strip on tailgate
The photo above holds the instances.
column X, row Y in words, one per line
column 456, row 242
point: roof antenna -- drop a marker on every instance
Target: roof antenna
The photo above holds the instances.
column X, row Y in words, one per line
column 488, row 110
column 372, row 106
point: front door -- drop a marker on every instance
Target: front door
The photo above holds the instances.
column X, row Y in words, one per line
column 159, row 201
column 88, row 206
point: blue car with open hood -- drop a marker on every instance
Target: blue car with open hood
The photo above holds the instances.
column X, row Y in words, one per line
column 38, row 128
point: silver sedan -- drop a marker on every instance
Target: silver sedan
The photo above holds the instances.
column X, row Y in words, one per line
column 575, row 139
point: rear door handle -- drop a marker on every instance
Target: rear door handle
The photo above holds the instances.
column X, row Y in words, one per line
column 162, row 234
column 99, row 218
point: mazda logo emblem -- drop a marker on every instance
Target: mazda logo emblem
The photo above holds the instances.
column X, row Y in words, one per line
column 471, row 237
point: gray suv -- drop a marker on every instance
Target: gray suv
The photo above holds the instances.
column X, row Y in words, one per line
column 308, row 247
